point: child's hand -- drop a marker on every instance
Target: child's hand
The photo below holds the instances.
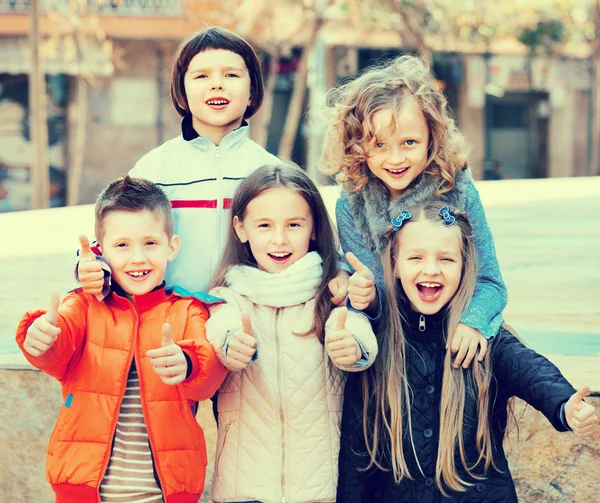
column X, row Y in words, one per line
column 338, row 287
column 43, row 332
column 242, row 346
column 361, row 286
column 581, row 417
column 341, row 344
column 91, row 275
column 465, row 343
column 168, row 361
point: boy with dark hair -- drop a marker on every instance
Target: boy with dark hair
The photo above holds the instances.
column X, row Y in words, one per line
column 132, row 367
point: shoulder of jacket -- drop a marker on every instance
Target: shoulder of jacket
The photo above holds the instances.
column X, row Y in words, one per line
column 151, row 158
column 203, row 298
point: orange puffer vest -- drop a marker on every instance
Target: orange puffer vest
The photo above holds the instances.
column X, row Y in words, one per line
column 91, row 358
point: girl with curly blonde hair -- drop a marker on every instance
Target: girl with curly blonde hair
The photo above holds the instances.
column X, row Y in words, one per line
column 391, row 143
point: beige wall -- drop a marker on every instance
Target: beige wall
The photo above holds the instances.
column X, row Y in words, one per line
column 471, row 122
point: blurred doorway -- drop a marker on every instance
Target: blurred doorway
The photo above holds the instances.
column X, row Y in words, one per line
column 518, row 134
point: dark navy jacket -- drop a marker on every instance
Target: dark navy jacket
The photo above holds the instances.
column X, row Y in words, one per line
column 517, row 371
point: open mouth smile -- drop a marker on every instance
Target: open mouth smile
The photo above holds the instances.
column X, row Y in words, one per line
column 217, row 103
column 397, row 173
column 279, row 257
column 138, row 275
column 430, row 291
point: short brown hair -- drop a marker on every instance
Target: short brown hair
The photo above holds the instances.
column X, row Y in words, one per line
column 215, row 38
column 133, row 195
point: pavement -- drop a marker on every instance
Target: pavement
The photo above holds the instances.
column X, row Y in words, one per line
column 547, row 235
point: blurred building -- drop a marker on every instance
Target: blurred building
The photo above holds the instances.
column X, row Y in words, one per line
column 128, row 106
column 530, row 118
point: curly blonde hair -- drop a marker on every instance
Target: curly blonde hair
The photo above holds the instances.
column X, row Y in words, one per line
column 350, row 134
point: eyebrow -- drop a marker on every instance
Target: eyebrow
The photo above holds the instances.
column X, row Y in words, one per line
column 225, row 69
column 267, row 219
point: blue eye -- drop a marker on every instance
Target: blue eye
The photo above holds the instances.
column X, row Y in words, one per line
column 379, row 144
column 410, row 143
column 232, row 75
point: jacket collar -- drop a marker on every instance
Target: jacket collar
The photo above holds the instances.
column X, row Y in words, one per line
column 372, row 209
column 142, row 303
column 231, row 139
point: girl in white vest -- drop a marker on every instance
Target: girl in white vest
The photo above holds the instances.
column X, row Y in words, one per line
column 279, row 409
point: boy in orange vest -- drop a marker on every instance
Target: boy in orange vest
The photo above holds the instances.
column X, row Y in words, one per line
column 132, row 367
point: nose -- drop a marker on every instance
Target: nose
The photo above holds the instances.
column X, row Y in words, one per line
column 137, row 255
column 217, row 82
column 431, row 267
column 396, row 156
column 279, row 236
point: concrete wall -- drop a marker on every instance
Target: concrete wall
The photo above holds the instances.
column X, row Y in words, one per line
column 552, row 467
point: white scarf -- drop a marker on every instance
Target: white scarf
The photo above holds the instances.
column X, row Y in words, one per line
column 296, row 285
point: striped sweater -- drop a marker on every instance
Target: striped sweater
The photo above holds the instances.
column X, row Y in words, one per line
column 130, row 473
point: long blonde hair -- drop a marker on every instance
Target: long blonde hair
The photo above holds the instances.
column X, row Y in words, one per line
column 386, row 393
column 350, row 133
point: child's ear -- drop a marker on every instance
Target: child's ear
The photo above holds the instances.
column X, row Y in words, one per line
column 239, row 230
column 173, row 247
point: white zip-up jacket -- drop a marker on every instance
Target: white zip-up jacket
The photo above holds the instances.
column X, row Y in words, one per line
column 200, row 178
column 279, row 419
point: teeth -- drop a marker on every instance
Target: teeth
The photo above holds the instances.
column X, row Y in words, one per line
column 137, row 274
column 217, row 102
column 280, row 255
column 397, row 171
column 431, row 285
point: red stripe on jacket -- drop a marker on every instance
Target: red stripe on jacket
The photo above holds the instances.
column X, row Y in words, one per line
column 200, row 203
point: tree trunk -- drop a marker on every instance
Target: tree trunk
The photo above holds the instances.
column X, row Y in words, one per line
column 294, row 112
column 76, row 168
column 594, row 162
column 38, row 121
column 259, row 129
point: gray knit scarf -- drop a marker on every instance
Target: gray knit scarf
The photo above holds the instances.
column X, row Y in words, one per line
column 372, row 209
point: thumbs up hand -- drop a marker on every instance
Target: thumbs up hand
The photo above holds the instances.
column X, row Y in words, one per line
column 341, row 344
column 242, row 346
column 43, row 332
column 361, row 287
column 89, row 270
column 581, row 417
column 168, row 361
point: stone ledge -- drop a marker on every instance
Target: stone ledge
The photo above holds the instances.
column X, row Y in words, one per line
column 579, row 370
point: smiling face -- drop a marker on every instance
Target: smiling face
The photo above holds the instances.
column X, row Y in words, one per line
column 137, row 248
column 278, row 225
column 399, row 154
column 429, row 264
column 217, row 86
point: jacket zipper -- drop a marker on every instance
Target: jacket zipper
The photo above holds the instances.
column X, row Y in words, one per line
column 220, row 211
column 218, row 463
column 281, row 414
column 422, row 324
column 116, row 418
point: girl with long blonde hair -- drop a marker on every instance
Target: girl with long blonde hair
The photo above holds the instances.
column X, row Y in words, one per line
column 391, row 143
column 416, row 429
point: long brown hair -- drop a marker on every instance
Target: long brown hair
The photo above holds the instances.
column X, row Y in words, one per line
column 386, row 393
column 288, row 175
column 350, row 134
